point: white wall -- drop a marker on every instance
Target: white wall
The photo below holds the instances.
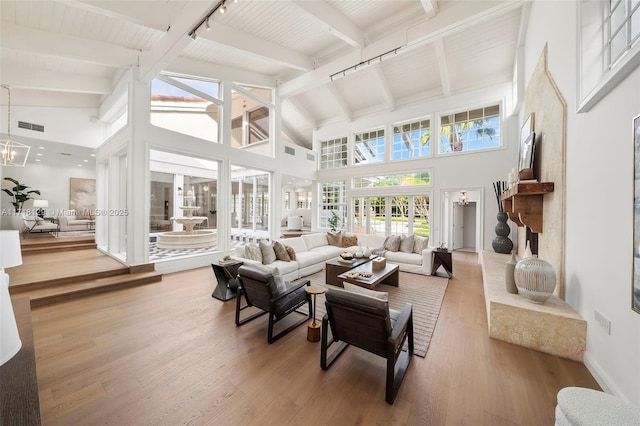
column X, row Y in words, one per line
column 599, row 204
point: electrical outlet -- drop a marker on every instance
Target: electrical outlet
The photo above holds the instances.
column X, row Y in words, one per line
column 603, row 321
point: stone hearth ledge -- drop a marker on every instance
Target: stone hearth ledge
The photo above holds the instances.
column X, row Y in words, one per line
column 553, row 327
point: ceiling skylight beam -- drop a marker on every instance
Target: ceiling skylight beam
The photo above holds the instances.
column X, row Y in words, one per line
column 337, row 96
column 128, row 11
column 16, row 37
column 384, row 86
column 430, row 7
column 254, row 46
column 172, row 42
column 442, row 67
column 331, row 20
column 34, row 79
column 453, row 20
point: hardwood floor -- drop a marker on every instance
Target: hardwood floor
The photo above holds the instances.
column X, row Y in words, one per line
column 168, row 353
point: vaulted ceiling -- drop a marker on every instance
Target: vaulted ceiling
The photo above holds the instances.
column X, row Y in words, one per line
column 331, row 60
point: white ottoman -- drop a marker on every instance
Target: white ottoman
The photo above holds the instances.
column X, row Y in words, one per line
column 587, row 407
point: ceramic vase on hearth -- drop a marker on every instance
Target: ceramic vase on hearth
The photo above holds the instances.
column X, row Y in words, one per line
column 501, row 243
column 509, row 270
column 535, row 279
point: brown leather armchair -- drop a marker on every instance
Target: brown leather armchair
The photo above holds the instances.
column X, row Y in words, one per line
column 260, row 290
column 368, row 323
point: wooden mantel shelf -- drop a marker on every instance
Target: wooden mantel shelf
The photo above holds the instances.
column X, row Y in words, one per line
column 523, row 203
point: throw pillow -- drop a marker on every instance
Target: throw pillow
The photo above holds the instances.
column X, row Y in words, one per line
column 335, row 238
column 392, row 243
column 268, row 254
column 406, row 244
column 349, row 240
column 420, row 243
column 290, row 251
column 281, row 285
column 382, row 295
column 281, row 251
column 253, row 252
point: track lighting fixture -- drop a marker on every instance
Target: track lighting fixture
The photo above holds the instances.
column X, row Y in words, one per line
column 365, row 63
column 205, row 21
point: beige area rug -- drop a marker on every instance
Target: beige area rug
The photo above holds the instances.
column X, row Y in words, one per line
column 424, row 292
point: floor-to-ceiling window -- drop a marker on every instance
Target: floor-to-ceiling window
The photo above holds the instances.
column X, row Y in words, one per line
column 250, row 190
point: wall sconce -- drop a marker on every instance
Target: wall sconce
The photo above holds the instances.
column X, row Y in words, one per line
column 463, row 199
column 179, row 192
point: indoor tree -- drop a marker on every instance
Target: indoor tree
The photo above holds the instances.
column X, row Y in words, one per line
column 20, row 194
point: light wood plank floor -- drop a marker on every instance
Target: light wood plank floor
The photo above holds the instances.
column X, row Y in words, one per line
column 167, row 354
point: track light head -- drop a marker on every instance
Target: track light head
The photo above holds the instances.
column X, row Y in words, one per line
column 223, row 8
column 207, row 23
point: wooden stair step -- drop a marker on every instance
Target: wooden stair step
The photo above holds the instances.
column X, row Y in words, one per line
column 61, row 281
column 66, row 291
column 52, row 249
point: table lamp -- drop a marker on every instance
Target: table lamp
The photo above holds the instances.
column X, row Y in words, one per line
column 39, row 204
column 10, row 255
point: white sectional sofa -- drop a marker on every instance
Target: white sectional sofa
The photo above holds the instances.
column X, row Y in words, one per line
column 313, row 250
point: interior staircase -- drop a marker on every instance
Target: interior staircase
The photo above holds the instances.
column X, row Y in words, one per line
column 57, row 270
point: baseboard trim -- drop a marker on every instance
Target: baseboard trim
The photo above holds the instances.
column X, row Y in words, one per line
column 602, row 377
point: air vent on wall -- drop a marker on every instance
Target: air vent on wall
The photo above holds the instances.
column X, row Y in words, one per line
column 289, row 150
column 31, row 126
column 311, row 157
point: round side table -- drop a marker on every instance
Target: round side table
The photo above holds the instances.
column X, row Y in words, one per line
column 313, row 331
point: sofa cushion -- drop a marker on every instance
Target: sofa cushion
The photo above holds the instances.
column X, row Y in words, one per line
column 253, row 252
column 334, row 238
column 297, row 244
column 268, row 254
column 406, row 243
column 370, row 240
column 392, row 243
column 402, row 257
column 281, row 251
column 349, row 240
column 308, row 258
column 290, row 251
column 315, row 240
column 420, row 243
column 329, row 252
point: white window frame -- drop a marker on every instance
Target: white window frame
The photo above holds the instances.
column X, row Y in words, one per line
column 467, row 110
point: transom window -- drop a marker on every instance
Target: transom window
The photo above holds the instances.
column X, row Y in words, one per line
column 623, row 21
column 333, row 153
column 399, row 179
column 369, row 147
column 470, row 130
column 412, row 140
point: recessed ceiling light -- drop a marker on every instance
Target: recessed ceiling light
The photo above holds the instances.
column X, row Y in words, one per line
column 37, row 159
column 93, row 155
column 41, row 147
column 86, row 161
column 79, row 165
column 39, row 154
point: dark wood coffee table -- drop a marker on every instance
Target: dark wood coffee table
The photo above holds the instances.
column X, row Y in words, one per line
column 334, row 267
column 388, row 275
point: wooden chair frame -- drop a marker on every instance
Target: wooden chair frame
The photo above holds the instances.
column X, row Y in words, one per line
column 261, row 296
column 390, row 349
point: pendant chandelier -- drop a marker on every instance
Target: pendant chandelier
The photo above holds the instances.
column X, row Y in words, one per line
column 463, row 199
column 13, row 153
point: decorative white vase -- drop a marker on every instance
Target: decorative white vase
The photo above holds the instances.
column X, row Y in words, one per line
column 367, row 252
column 535, row 279
column 509, row 274
column 527, row 251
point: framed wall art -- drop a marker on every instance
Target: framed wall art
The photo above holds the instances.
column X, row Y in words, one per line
column 82, row 195
column 635, row 289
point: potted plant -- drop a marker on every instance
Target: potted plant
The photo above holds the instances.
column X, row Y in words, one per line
column 20, row 194
column 333, row 220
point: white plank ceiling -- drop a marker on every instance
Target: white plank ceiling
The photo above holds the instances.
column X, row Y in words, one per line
column 73, row 51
